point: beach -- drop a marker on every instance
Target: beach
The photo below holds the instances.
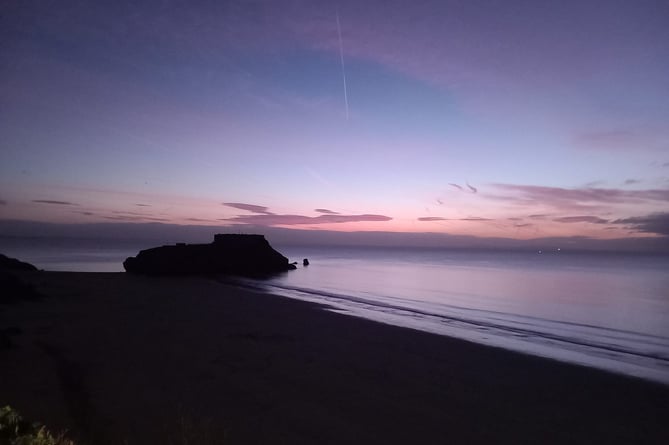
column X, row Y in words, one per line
column 115, row 358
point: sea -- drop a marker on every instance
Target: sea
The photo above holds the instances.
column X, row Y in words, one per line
column 602, row 310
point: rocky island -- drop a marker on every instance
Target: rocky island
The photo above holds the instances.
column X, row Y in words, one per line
column 230, row 254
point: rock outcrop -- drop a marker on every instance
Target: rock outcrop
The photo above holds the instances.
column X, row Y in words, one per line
column 230, row 254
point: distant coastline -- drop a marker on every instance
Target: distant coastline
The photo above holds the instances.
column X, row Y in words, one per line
column 151, row 234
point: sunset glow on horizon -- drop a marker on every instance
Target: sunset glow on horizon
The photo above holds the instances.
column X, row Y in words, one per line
column 511, row 120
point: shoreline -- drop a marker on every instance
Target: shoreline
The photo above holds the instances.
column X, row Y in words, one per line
column 116, row 357
column 652, row 372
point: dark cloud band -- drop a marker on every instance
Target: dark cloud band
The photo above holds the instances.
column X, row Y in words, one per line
column 655, row 223
column 248, row 207
column 49, row 201
column 294, row 220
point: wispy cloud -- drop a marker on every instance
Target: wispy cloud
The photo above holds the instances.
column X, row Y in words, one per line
column 49, row 201
column 199, row 220
column 432, row 218
column 470, row 188
column 249, row 207
column 329, row 212
column 655, row 223
column 134, row 218
column 475, row 218
column 143, row 205
column 318, row 177
column 566, row 199
column 632, row 181
column 3, row 202
column 578, row 219
column 270, row 219
column 119, row 212
column 262, row 216
column 439, row 218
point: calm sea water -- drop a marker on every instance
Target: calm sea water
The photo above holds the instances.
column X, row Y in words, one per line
column 66, row 254
column 603, row 310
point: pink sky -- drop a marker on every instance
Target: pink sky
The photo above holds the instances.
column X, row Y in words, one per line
column 513, row 120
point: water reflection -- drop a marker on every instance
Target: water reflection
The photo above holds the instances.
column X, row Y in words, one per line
column 615, row 304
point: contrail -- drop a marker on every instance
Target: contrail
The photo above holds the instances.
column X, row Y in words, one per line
column 343, row 67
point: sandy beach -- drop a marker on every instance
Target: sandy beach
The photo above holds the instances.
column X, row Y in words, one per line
column 122, row 359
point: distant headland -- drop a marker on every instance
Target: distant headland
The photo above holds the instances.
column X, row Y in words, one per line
column 229, row 254
column 7, row 263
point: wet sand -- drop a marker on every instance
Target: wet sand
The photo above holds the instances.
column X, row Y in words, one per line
column 121, row 359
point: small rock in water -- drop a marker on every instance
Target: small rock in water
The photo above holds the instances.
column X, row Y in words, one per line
column 305, row 262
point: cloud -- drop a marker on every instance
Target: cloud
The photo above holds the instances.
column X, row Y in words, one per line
column 48, row 201
column 471, row 188
column 666, row 164
column 3, row 202
column 199, row 220
column 654, row 223
column 143, row 205
column 577, row 219
column 329, row 212
column 248, row 207
column 575, row 198
column 262, row 216
column 432, row 218
column 270, row 219
column 118, row 212
column 632, row 181
column 537, row 216
column 86, row 213
column 439, row 218
column 135, row 218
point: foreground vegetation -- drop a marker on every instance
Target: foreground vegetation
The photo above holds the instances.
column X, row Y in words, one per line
column 14, row 430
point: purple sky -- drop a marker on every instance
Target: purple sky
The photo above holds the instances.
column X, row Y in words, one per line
column 514, row 119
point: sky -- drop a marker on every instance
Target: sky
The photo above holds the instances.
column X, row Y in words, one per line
column 507, row 119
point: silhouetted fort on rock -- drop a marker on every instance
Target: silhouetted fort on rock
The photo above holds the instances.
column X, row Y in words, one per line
column 249, row 255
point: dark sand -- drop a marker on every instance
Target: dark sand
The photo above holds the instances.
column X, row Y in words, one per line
column 123, row 359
